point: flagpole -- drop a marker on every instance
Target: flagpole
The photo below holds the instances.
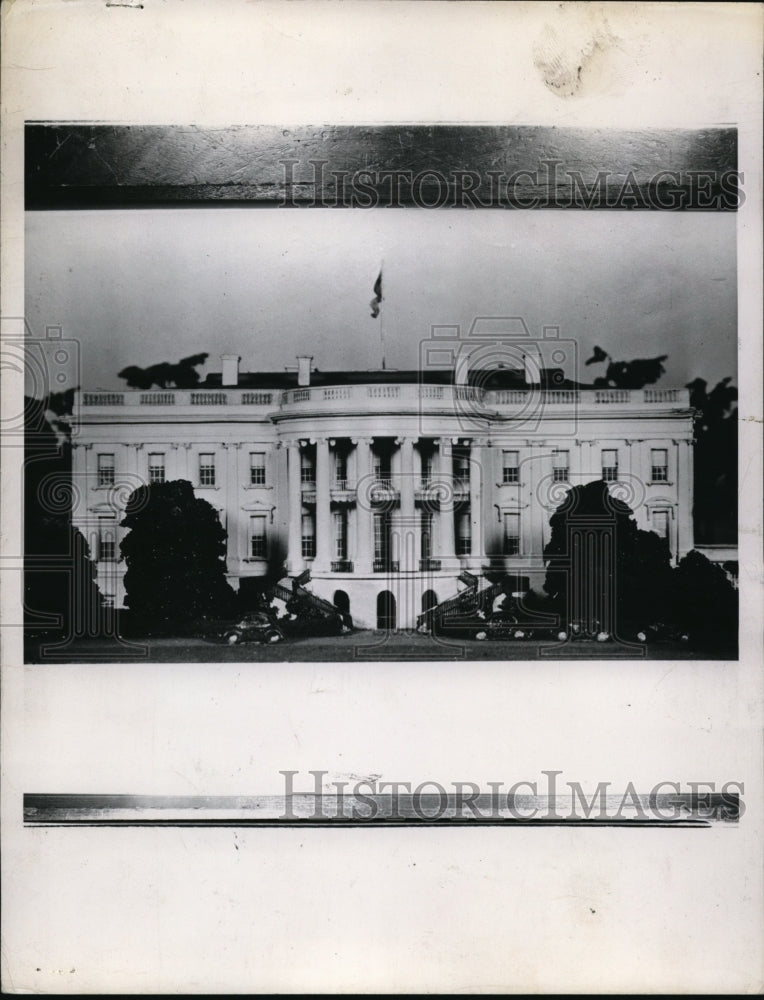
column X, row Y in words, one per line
column 382, row 319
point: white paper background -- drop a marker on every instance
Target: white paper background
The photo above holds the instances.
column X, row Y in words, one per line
column 498, row 910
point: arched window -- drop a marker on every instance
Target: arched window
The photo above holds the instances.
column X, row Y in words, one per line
column 429, row 601
column 386, row 618
column 341, row 601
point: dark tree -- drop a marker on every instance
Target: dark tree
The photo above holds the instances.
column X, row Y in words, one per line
column 182, row 375
column 715, row 467
column 706, row 603
column 627, row 374
column 61, row 598
column 603, row 572
column 175, row 555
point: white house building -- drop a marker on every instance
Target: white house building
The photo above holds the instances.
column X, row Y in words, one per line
column 382, row 482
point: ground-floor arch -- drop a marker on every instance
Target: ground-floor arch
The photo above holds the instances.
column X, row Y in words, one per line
column 386, row 610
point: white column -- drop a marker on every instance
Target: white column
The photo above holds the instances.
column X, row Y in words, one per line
column 231, row 506
column 88, row 466
column 84, row 464
column 294, row 492
column 362, row 557
column 446, row 547
column 476, row 500
column 684, row 527
column 407, row 518
column 323, row 519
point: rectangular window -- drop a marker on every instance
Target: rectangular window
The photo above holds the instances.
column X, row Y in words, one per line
column 257, row 536
column 609, row 465
column 307, row 470
column 463, row 534
column 426, row 468
column 340, row 534
column 381, row 536
column 340, row 473
column 659, row 464
column 461, row 466
column 510, row 467
column 426, row 534
column 561, row 466
column 207, row 469
column 106, row 470
column 511, row 534
column 382, row 468
column 107, row 539
column 156, row 467
column 308, row 537
column 257, row 468
column 660, row 520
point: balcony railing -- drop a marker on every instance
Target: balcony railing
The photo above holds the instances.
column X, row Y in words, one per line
column 553, row 397
column 612, row 396
column 103, row 399
column 157, row 399
column 209, row 399
column 431, row 565
column 385, row 566
column 431, row 391
column 429, row 490
column 178, row 398
column 394, row 396
column 256, row 398
column 661, row 395
column 382, row 491
column 337, row 392
column 383, row 391
column 342, row 566
column 342, row 490
column 510, row 396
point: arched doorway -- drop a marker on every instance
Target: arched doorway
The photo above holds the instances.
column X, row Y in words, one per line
column 429, row 601
column 341, row 601
column 386, row 610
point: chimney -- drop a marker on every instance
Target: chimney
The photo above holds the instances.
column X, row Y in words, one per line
column 230, row 369
column 303, row 369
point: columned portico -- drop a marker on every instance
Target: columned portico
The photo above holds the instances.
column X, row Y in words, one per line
column 363, row 513
column 685, row 541
column 323, row 509
column 476, row 500
column 407, row 521
column 295, row 561
column 446, row 535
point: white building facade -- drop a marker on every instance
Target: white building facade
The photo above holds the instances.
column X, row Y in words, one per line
column 384, row 485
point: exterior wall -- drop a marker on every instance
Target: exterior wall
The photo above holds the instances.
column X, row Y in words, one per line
column 406, row 422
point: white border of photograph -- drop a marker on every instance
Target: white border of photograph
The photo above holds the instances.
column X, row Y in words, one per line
column 463, row 910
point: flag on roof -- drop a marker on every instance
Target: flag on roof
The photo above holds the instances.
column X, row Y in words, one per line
column 377, row 300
